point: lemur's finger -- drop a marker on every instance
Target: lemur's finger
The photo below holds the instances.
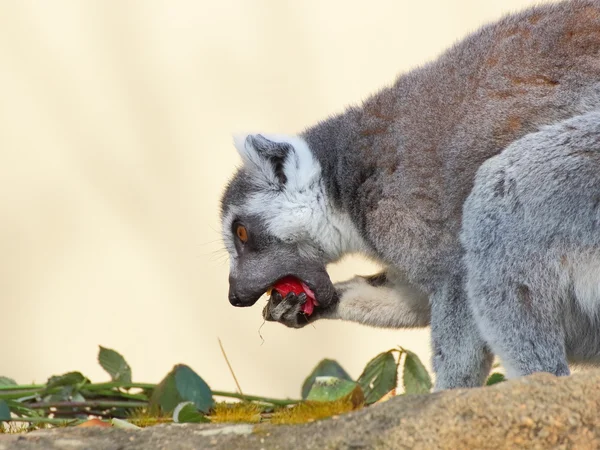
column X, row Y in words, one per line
column 276, row 298
column 294, row 317
column 287, row 311
column 293, row 299
column 277, row 312
column 292, row 308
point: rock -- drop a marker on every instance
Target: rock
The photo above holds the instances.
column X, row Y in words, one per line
column 535, row 412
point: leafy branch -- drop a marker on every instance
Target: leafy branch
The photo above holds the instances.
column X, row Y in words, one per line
column 183, row 396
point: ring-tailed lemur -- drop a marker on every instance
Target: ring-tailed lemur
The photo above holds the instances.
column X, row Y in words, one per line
column 474, row 179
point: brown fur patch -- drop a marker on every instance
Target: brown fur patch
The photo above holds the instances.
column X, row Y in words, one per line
column 380, row 108
column 537, row 80
column 589, row 13
column 582, row 31
column 524, row 294
column 503, row 95
column 535, row 18
column 513, row 124
column 491, row 61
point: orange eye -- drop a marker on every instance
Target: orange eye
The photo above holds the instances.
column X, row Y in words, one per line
column 242, row 233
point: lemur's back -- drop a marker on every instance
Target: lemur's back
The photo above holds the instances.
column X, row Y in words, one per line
column 417, row 145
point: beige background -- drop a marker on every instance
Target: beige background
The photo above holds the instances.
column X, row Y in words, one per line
column 115, row 131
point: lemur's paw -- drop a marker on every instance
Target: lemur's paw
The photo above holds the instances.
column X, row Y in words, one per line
column 287, row 311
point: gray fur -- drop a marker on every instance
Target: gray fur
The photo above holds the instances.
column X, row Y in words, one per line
column 531, row 232
column 504, row 125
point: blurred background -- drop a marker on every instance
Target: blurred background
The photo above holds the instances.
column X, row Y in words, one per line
column 116, row 120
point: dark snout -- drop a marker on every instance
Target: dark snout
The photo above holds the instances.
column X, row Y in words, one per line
column 242, row 297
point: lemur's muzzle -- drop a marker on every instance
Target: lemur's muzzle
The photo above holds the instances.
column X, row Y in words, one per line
column 242, row 298
column 256, row 272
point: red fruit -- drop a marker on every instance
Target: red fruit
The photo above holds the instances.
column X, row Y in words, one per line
column 287, row 285
column 292, row 284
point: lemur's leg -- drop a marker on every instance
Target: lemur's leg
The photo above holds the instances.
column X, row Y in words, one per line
column 384, row 300
column 522, row 322
column 461, row 357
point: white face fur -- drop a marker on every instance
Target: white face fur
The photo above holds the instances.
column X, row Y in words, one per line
column 298, row 212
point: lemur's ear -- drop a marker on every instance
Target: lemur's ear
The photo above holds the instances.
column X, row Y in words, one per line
column 276, row 160
column 265, row 156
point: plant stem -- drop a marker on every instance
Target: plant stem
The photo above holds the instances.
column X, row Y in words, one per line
column 256, row 398
column 91, row 386
column 16, row 395
column 18, row 391
column 44, row 420
column 88, row 404
column 117, row 384
column 112, row 394
column 20, row 387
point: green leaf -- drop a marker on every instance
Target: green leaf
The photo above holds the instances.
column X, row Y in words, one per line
column 77, row 397
column 64, row 394
column 330, row 389
column 326, row 367
column 67, row 379
column 379, row 377
column 415, row 376
column 180, row 385
column 114, row 364
column 165, row 395
column 5, row 381
column 69, row 383
column 193, row 388
column 186, row 412
column 4, row 411
column 495, row 378
column 123, row 424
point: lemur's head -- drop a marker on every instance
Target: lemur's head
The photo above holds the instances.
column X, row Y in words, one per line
column 275, row 219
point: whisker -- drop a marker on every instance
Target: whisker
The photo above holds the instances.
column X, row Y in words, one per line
column 211, row 242
column 219, row 257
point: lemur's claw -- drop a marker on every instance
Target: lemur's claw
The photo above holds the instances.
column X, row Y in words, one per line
column 287, row 311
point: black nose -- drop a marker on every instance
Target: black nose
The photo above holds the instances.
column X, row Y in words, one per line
column 241, row 300
column 234, row 300
column 241, row 297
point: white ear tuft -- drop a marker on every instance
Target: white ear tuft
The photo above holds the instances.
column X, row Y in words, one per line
column 239, row 141
column 245, row 149
column 278, row 160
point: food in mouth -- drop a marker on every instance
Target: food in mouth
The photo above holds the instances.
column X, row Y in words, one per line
column 292, row 284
